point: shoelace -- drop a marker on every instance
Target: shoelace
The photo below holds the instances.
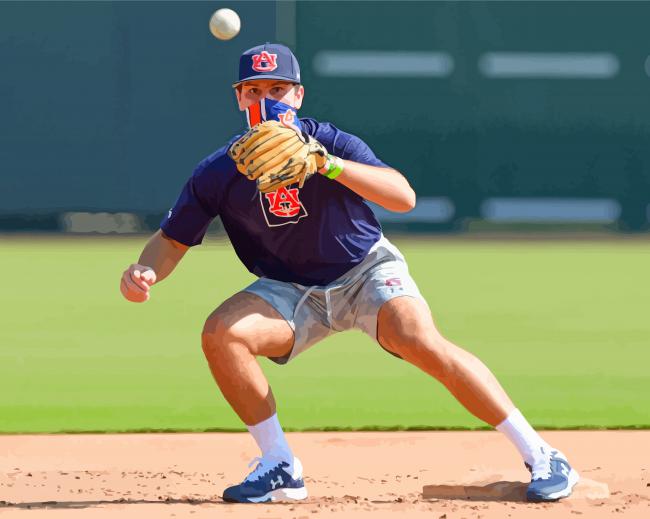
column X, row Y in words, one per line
column 260, row 471
column 542, row 468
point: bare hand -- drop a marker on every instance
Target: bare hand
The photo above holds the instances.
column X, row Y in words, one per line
column 136, row 282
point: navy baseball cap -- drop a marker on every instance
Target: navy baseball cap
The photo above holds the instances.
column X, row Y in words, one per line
column 268, row 61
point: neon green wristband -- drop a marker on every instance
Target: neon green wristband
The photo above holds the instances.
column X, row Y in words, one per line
column 335, row 167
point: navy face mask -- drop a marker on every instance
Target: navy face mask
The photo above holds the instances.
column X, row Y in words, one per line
column 271, row 110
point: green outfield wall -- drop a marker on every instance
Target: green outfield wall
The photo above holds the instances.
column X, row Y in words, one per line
column 110, row 105
column 473, row 101
column 575, row 125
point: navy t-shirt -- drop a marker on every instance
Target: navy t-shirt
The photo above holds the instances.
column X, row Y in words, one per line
column 309, row 236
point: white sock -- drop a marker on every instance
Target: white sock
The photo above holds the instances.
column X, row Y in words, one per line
column 270, row 439
column 523, row 436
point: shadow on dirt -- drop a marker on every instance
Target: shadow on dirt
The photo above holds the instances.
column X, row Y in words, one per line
column 89, row 504
column 514, row 491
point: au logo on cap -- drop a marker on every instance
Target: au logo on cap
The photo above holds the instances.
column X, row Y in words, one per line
column 265, row 62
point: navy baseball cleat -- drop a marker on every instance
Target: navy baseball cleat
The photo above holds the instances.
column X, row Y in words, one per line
column 272, row 480
column 552, row 478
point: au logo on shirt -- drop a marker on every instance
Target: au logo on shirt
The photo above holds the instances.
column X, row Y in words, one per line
column 282, row 207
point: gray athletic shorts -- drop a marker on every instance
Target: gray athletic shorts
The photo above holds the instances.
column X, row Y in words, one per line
column 350, row 302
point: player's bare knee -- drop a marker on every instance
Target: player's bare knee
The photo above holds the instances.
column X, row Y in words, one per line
column 219, row 336
column 210, row 335
column 212, row 327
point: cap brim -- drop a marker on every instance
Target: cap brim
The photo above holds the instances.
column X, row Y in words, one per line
column 266, row 76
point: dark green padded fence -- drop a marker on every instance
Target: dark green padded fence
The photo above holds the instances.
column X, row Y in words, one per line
column 469, row 137
column 109, row 105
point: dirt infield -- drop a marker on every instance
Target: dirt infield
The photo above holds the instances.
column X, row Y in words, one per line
column 441, row 475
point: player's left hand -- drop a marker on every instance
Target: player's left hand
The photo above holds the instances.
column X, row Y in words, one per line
column 276, row 155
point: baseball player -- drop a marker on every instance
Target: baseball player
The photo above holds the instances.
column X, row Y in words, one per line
column 291, row 195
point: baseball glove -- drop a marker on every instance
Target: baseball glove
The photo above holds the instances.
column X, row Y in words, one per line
column 275, row 155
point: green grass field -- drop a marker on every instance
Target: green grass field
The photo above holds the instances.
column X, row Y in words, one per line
column 564, row 326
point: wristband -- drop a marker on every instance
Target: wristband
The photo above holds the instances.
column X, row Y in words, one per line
column 333, row 168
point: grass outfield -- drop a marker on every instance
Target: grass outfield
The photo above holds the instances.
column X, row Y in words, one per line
column 563, row 325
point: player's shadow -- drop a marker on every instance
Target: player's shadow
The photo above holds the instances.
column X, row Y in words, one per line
column 89, row 504
column 514, row 491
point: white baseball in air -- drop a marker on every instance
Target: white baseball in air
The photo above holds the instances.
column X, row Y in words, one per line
column 225, row 24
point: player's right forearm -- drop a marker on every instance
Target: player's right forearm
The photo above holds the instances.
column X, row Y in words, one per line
column 162, row 254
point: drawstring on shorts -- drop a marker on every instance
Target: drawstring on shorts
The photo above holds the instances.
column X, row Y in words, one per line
column 329, row 289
